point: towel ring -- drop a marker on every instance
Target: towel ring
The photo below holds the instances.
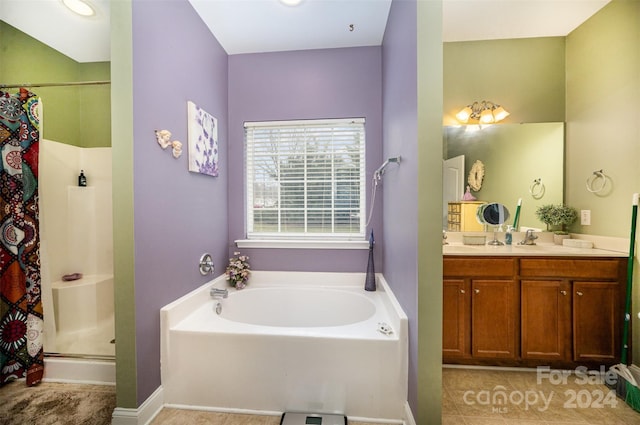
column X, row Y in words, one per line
column 537, row 189
column 593, row 179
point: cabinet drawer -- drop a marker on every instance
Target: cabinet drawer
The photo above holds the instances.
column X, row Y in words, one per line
column 570, row 268
column 478, row 267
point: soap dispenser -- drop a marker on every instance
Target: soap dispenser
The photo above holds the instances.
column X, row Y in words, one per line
column 508, row 237
column 82, row 179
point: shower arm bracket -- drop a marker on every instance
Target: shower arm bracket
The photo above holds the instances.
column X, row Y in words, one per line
column 377, row 175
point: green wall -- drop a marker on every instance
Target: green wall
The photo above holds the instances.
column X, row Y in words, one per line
column 123, row 240
column 514, row 155
column 78, row 116
column 430, row 68
column 603, row 124
column 603, row 115
column 525, row 76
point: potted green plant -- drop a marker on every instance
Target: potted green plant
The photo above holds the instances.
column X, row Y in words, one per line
column 557, row 217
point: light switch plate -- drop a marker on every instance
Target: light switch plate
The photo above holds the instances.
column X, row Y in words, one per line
column 585, row 217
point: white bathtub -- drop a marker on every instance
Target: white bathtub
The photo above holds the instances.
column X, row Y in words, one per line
column 289, row 341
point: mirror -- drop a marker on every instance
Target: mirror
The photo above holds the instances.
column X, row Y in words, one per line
column 521, row 161
column 493, row 214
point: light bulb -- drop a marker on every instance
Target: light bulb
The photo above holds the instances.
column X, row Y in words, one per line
column 464, row 114
column 486, row 117
column 500, row 113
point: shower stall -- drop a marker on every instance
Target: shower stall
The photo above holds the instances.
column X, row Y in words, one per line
column 76, row 239
column 76, row 228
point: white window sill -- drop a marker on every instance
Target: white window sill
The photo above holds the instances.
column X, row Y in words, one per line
column 301, row 244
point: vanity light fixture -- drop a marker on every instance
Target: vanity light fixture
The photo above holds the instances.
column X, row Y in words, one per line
column 80, row 7
column 485, row 112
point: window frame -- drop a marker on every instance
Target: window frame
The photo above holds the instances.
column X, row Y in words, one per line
column 330, row 239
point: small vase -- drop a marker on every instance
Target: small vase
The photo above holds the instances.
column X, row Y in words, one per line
column 557, row 239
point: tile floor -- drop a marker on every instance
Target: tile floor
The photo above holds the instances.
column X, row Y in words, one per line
column 470, row 397
column 532, row 399
column 181, row 417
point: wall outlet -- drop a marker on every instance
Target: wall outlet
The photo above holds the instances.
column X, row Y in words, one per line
column 585, row 217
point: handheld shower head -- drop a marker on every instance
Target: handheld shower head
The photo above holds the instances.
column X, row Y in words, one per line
column 377, row 175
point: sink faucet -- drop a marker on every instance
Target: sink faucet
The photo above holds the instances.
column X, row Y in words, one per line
column 529, row 238
column 218, row 293
column 444, row 238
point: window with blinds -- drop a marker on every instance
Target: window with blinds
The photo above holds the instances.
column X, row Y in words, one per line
column 305, row 179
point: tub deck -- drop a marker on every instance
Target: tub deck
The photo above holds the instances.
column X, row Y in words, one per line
column 212, row 363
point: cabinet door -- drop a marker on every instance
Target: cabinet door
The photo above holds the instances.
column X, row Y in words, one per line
column 455, row 318
column 493, row 319
column 469, row 221
column 596, row 322
column 546, row 319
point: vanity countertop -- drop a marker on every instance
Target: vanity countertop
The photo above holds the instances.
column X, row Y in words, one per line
column 602, row 246
column 528, row 250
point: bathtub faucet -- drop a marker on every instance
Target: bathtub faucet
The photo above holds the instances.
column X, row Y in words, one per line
column 218, row 293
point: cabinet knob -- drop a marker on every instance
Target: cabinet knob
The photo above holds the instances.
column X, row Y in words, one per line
column 579, row 293
column 462, row 291
column 477, row 291
column 563, row 292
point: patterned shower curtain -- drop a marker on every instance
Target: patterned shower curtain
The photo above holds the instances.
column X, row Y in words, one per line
column 21, row 324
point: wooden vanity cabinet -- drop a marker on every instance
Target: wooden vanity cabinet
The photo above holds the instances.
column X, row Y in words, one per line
column 546, row 319
column 590, row 298
column 493, row 318
column 456, row 318
column 597, row 337
column 529, row 311
column 480, row 301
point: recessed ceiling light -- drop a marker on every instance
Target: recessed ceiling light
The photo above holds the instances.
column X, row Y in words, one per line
column 80, row 7
column 291, row 2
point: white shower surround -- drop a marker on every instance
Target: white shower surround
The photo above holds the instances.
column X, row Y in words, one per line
column 212, row 363
column 76, row 236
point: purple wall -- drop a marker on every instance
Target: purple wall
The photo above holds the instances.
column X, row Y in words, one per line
column 178, row 215
column 307, row 84
column 400, row 117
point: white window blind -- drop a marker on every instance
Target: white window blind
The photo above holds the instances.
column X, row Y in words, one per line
column 305, row 179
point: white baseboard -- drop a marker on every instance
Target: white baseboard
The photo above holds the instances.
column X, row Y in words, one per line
column 148, row 410
column 143, row 415
column 408, row 415
column 80, row 371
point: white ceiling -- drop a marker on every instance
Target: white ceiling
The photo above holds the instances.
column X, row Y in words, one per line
column 465, row 20
column 241, row 27
column 82, row 39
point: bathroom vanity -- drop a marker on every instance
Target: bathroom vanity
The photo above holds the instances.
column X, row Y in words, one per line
column 531, row 306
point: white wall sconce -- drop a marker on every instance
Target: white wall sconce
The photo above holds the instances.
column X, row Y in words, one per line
column 164, row 140
column 485, row 112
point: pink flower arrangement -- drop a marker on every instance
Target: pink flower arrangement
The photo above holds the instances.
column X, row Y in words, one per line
column 238, row 270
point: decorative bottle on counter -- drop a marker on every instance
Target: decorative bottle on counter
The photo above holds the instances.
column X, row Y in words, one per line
column 82, row 179
column 508, row 237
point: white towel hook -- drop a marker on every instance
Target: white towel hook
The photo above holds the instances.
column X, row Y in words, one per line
column 598, row 177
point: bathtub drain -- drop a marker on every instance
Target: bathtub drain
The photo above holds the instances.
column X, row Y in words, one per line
column 384, row 328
